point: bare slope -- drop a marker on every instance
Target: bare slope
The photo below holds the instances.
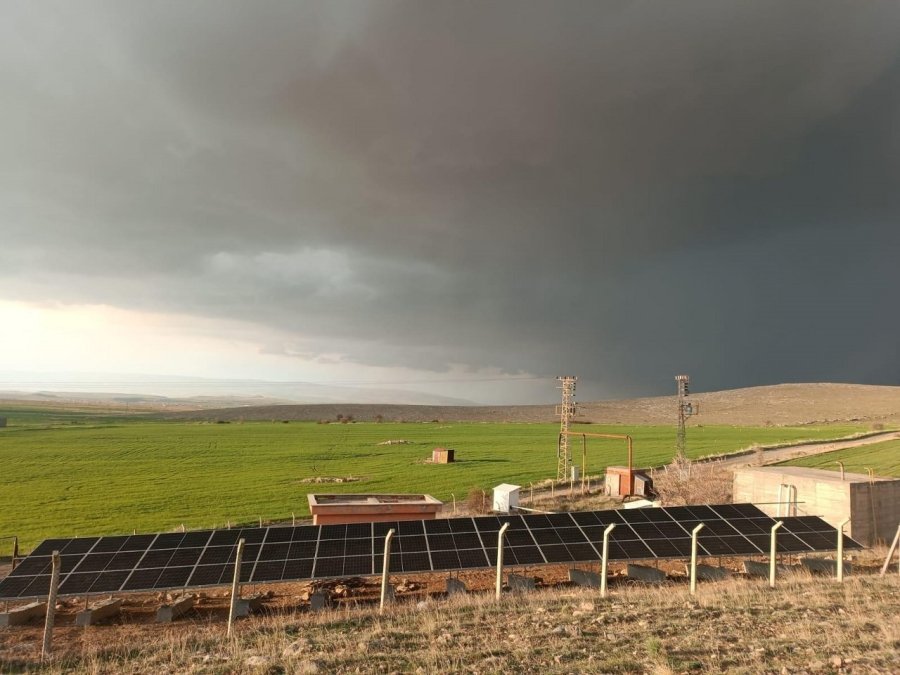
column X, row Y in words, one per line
column 784, row 404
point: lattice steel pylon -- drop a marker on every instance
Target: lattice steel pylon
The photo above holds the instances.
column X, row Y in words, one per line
column 684, row 409
column 566, row 412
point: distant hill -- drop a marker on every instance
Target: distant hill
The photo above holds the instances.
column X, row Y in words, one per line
column 141, row 391
column 783, row 404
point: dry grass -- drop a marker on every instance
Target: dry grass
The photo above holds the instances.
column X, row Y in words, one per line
column 685, row 482
column 739, row 626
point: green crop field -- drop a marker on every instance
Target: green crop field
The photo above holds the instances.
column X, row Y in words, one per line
column 71, row 474
column 883, row 458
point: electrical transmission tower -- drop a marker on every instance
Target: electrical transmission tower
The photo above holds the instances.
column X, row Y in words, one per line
column 685, row 409
column 566, row 413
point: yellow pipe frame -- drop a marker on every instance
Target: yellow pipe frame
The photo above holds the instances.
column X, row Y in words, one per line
column 621, row 437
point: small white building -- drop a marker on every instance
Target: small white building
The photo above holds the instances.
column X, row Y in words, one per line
column 506, row 497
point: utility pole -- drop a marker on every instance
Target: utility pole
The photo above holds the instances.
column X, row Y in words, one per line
column 566, row 412
column 686, row 408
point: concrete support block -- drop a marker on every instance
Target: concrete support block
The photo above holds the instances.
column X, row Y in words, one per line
column 319, row 600
column 582, row 578
column 456, row 587
column 99, row 612
column 246, row 606
column 650, row 575
column 823, row 566
column 761, row 569
column 24, row 614
column 709, row 572
column 168, row 613
column 521, row 584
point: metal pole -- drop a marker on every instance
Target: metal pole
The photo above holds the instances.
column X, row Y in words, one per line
column 772, row 552
column 841, row 464
column 499, row 584
column 51, row 608
column 890, row 554
column 454, row 502
column 583, row 460
column 630, row 465
column 840, row 550
column 15, row 552
column 386, row 568
column 235, row 585
column 694, row 536
column 604, row 565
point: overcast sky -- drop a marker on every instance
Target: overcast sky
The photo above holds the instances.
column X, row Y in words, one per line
column 448, row 195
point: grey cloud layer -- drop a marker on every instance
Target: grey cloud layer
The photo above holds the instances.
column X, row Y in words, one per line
column 617, row 189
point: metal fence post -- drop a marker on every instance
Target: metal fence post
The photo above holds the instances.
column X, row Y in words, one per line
column 386, row 568
column 890, row 553
column 772, row 551
column 51, row 608
column 235, row 585
column 840, row 550
column 604, row 564
column 695, row 533
column 499, row 584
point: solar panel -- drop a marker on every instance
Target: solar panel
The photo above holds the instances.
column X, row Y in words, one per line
column 206, row 558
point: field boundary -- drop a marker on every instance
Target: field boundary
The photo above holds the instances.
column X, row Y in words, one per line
column 731, row 457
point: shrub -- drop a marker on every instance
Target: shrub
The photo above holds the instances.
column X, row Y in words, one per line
column 685, row 482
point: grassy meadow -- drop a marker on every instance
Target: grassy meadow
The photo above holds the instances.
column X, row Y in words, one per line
column 883, row 458
column 67, row 474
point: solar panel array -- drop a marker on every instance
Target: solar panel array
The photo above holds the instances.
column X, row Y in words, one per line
column 146, row 562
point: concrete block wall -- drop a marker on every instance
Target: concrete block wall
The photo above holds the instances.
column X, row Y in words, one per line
column 876, row 511
column 874, row 508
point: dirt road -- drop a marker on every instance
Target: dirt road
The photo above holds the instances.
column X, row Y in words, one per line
column 782, row 454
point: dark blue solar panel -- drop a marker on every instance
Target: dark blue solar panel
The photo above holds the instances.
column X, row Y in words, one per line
column 204, row 558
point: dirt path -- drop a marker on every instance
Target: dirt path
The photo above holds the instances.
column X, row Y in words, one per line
column 774, row 455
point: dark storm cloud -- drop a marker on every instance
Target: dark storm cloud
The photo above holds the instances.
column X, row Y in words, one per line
column 621, row 190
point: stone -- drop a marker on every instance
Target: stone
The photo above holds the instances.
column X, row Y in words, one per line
column 256, row 662
column 570, row 631
column 296, row 648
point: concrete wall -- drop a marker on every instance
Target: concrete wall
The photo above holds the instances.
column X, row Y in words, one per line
column 831, row 500
column 874, row 508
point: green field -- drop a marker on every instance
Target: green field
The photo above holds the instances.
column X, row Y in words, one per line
column 80, row 474
column 883, row 458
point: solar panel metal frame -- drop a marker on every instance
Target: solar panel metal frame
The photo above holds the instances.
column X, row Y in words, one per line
column 444, row 544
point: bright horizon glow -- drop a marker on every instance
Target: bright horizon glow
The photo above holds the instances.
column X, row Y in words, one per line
column 83, row 341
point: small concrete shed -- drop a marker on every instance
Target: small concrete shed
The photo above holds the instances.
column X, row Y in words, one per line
column 506, row 496
column 443, row 456
column 872, row 504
